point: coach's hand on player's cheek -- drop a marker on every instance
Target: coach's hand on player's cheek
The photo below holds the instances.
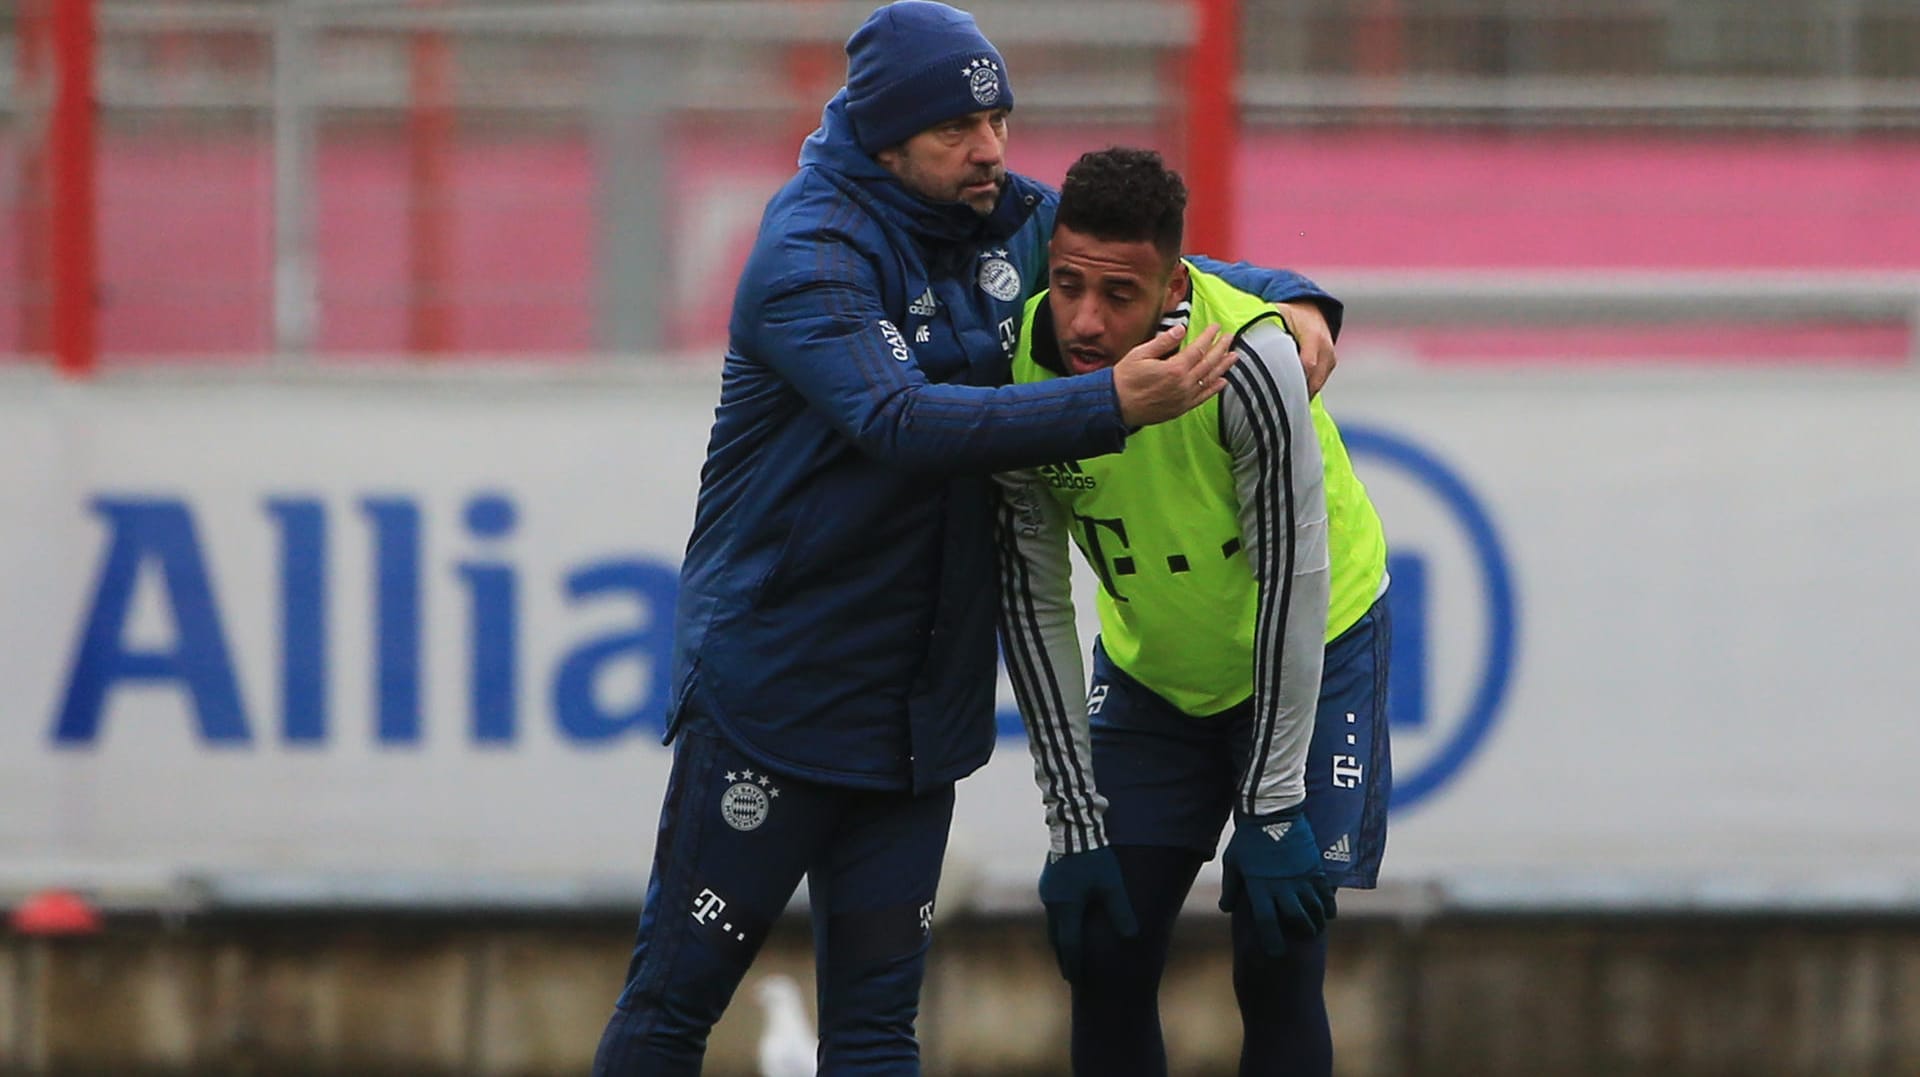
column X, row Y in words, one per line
column 1160, row 380
column 1070, row 885
column 1315, row 338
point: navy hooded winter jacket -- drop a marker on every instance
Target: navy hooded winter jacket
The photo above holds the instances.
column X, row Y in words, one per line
column 837, row 601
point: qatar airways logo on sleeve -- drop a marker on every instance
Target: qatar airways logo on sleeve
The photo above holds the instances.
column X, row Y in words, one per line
column 153, row 567
column 896, row 343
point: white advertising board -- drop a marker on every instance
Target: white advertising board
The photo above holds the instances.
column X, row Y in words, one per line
column 405, row 636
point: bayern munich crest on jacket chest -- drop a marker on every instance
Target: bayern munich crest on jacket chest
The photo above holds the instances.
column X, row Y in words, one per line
column 998, row 278
column 747, row 802
column 983, row 80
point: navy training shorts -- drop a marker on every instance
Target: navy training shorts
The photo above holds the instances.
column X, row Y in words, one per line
column 1169, row 778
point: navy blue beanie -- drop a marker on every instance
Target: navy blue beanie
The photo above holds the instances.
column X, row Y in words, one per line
column 915, row 63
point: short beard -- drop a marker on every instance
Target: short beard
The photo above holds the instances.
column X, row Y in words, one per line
column 985, row 204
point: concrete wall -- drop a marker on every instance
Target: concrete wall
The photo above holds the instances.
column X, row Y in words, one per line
column 435, row 995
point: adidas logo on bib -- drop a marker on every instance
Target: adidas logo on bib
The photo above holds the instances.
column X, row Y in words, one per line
column 925, row 306
column 1340, row 851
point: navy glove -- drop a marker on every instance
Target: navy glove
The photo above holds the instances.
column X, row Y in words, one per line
column 1274, row 862
column 1069, row 885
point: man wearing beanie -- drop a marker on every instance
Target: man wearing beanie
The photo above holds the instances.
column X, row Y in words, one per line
column 834, row 651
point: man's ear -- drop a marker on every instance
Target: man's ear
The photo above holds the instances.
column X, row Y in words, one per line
column 889, row 159
column 1178, row 284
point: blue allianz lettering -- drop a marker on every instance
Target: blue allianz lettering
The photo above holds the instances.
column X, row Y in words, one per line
column 1407, row 603
column 303, row 617
column 649, row 586
column 157, row 539
column 159, row 534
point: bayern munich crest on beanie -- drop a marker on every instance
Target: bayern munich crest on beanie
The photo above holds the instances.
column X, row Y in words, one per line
column 915, row 63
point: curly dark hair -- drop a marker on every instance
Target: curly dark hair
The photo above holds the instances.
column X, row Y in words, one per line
column 1122, row 194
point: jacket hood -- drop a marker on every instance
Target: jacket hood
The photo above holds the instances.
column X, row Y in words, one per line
column 832, row 149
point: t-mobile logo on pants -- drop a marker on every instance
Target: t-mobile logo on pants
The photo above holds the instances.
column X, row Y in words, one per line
column 709, row 907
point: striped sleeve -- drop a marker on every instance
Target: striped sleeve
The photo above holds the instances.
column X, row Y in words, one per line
column 1266, row 426
column 1041, row 645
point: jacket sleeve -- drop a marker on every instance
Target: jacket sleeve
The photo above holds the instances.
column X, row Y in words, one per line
column 820, row 326
column 1275, row 286
column 1267, row 427
column 1041, row 645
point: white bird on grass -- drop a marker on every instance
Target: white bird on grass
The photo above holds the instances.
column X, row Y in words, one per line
column 787, row 1042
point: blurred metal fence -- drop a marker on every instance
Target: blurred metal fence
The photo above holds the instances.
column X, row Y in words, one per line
column 1788, row 39
column 431, row 178
column 1832, row 64
column 566, row 179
